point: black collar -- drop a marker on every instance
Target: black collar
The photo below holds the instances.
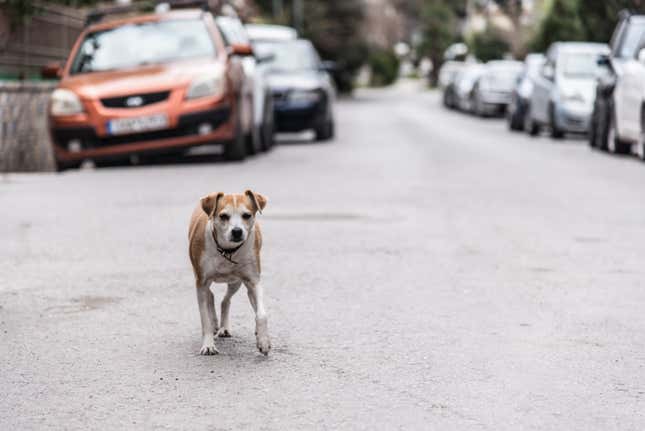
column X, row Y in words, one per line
column 226, row 253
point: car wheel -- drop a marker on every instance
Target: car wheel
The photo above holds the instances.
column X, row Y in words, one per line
column 64, row 166
column 235, row 149
column 513, row 118
column 640, row 147
column 326, row 131
column 614, row 145
column 530, row 125
column 556, row 132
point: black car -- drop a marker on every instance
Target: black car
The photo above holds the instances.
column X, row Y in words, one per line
column 302, row 88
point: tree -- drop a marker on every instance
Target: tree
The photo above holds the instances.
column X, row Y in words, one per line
column 440, row 29
column 488, row 45
column 562, row 23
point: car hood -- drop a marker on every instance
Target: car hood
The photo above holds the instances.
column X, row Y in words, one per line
column 585, row 88
column 305, row 80
column 146, row 79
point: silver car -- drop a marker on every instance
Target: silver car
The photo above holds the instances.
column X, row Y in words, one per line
column 492, row 91
column 464, row 84
column 564, row 90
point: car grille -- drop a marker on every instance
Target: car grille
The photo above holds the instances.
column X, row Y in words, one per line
column 135, row 100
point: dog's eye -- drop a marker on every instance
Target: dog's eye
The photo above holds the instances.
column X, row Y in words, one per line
column 246, row 216
column 224, row 217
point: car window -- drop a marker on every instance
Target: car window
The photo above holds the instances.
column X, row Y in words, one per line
column 631, row 40
column 579, row 65
column 289, row 55
column 142, row 44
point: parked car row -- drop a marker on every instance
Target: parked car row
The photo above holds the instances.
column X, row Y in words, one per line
column 576, row 87
column 179, row 78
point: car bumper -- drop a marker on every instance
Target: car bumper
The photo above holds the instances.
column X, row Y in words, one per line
column 573, row 120
column 296, row 117
column 73, row 142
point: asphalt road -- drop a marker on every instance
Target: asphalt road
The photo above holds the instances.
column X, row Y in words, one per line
column 425, row 270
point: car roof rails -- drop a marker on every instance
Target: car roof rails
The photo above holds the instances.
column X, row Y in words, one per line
column 183, row 4
column 159, row 6
column 97, row 15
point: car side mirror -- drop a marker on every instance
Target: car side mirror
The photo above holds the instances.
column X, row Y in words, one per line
column 641, row 55
column 603, row 60
column 266, row 58
column 240, row 49
column 548, row 72
column 51, row 71
column 328, row 66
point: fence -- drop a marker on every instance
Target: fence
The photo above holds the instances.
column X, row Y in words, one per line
column 24, row 137
column 45, row 37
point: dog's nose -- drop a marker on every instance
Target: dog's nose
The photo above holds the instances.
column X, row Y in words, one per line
column 236, row 233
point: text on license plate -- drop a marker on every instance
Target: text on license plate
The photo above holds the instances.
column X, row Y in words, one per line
column 137, row 124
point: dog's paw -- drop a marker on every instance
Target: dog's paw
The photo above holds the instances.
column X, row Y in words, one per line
column 223, row 333
column 264, row 345
column 208, row 350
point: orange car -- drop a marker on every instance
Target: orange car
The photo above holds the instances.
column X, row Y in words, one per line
column 155, row 83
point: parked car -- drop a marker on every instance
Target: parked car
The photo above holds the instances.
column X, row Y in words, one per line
column 447, row 76
column 617, row 121
column 255, row 89
column 162, row 82
column 464, row 84
column 491, row 93
column 521, row 95
column 270, row 32
column 303, row 92
column 564, row 91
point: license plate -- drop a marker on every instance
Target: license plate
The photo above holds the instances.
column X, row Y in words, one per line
column 137, row 124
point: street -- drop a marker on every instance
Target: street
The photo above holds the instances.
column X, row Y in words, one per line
column 424, row 270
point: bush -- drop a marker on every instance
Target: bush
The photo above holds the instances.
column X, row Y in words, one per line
column 488, row 45
column 384, row 65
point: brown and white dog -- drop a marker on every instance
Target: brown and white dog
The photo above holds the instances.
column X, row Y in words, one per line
column 225, row 242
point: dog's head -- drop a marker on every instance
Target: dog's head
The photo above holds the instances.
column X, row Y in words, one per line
column 233, row 215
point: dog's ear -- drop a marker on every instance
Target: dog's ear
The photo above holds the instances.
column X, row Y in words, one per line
column 209, row 203
column 258, row 201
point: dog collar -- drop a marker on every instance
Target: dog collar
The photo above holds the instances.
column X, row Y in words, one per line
column 226, row 253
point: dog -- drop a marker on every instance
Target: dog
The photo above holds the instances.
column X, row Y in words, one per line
column 224, row 247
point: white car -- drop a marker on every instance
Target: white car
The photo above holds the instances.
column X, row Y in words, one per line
column 256, row 86
column 619, row 124
column 564, row 91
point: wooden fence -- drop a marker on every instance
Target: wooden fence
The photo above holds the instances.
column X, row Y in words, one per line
column 45, row 37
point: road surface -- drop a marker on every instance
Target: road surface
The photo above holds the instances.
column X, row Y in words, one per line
column 425, row 270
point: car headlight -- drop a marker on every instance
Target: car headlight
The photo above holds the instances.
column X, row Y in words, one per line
column 304, row 96
column 65, row 102
column 205, row 86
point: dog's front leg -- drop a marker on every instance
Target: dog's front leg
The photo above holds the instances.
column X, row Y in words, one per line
column 225, row 327
column 256, row 298
column 206, row 304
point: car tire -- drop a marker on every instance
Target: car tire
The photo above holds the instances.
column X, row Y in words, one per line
column 235, row 149
column 613, row 144
column 640, row 147
column 65, row 166
column 530, row 125
column 514, row 119
column 326, row 131
column 556, row 132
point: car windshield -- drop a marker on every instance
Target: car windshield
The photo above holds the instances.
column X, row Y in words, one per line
column 580, row 65
column 290, row 56
column 147, row 43
column 503, row 76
